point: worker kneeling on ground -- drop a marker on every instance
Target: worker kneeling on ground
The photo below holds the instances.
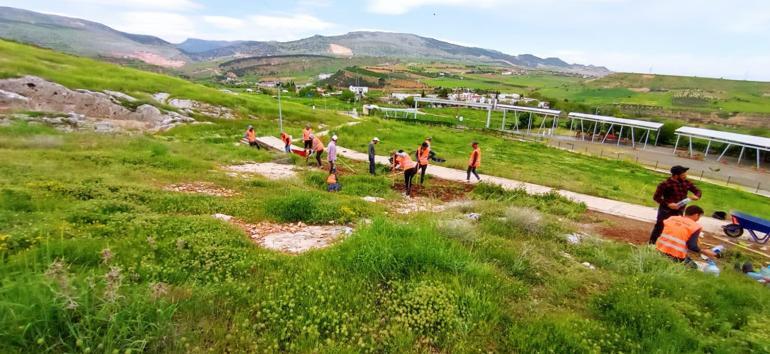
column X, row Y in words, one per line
column 680, row 235
column 401, row 160
column 332, row 182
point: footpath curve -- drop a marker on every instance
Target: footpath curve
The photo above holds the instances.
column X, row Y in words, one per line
column 598, row 204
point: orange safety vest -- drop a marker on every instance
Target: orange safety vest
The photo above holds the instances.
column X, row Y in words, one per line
column 406, row 162
column 676, row 231
column 318, row 145
column 423, row 155
column 477, row 152
column 251, row 135
column 306, row 133
column 286, row 138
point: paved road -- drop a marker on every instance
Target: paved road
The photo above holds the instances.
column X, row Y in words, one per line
column 603, row 205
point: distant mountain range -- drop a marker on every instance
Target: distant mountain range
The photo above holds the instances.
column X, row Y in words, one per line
column 93, row 39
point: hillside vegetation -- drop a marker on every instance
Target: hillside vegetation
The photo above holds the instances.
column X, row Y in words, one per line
column 97, row 255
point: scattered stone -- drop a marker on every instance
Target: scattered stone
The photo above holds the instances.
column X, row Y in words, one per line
column 575, row 238
column 372, row 199
column 120, row 96
column 161, row 97
column 473, row 216
column 201, row 188
column 290, row 238
column 270, row 170
column 588, row 265
column 223, row 217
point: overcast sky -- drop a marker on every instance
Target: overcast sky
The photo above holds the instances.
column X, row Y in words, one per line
column 716, row 38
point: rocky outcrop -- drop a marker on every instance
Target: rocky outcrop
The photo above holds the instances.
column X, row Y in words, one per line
column 32, row 93
column 194, row 107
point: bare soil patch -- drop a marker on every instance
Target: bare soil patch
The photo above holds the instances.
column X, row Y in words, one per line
column 290, row 238
column 206, row 188
column 437, row 196
column 269, row 170
column 638, row 233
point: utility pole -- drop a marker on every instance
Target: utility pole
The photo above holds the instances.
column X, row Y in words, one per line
column 280, row 111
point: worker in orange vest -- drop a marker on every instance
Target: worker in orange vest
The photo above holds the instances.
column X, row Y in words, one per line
column 318, row 149
column 680, row 235
column 286, row 142
column 307, row 138
column 423, row 155
column 404, row 162
column 474, row 162
column 332, row 181
column 251, row 137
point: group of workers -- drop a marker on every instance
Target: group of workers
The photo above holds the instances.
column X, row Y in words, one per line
column 400, row 160
column 676, row 230
column 675, row 233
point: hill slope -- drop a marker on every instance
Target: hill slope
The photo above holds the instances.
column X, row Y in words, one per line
column 395, row 45
column 93, row 39
column 86, row 38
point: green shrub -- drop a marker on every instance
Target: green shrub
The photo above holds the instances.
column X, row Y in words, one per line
column 424, row 308
column 551, row 202
column 15, row 200
column 308, row 207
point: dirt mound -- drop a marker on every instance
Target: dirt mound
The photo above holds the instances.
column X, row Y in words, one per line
column 290, row 238
column 270, row 170
column 35, row 94
column 201, row 188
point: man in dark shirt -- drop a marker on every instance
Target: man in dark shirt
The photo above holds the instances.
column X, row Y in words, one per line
column 669, row 195
column 372, row 154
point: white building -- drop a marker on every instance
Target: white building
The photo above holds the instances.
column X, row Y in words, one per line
column 359, row 90
column 402, row 96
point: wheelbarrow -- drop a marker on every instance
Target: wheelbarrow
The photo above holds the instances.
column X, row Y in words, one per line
column 754, row 225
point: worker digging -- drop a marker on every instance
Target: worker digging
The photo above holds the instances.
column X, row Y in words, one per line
column 680, row 235
column 402, row 161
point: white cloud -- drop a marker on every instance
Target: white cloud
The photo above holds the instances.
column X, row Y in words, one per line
column 225, row 22
column 400, row 7
column 145, row 5
column 738, row 67
column 284, row 27
column 170, row 26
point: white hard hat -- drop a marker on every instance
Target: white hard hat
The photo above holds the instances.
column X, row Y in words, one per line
column 376, row 139
column 334, row 138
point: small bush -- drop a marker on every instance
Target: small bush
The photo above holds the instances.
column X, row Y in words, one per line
column 551, row 202
column 14, row 200
column 425, row 308
column 308, row 207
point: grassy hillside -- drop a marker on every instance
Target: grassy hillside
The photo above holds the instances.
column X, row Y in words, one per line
column 76, row 73
column 97, row 255
column 676, row 93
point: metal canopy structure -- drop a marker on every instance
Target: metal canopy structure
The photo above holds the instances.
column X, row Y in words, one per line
column 546, row 113
column 397, row 112
column 757, row 143
column 646, row 127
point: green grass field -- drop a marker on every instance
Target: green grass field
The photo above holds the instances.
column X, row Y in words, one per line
column 535, row 163
column 97, row 256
